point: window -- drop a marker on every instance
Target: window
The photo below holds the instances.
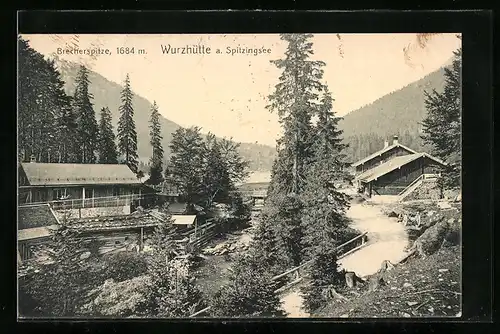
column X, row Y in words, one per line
column 58, row 193
column 116, row 191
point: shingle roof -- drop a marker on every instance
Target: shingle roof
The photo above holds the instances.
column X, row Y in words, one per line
column 382, row 151
column 389, row 166
column 41, row 174
column 110, row 223
column 30, row 216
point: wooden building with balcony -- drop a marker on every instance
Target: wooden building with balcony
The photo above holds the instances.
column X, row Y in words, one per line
column 77, row 185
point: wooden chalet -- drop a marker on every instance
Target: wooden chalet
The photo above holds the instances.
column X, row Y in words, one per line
column 396, row 149
column 78, row 185
column 394, row 176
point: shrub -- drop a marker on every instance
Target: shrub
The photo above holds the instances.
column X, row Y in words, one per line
column 249, row 293
column 124, row 265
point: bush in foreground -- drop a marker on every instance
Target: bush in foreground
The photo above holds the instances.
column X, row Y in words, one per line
column 250, row 293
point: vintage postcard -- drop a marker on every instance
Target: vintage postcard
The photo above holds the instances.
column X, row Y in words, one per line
column 239, row 175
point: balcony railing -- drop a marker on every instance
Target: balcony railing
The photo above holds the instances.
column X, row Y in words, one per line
column 96, row 202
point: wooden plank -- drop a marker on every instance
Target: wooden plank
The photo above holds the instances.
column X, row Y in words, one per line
column 352, row 250
column 200, row 312
column 355, row 238
column 290, row 270
column 289, row 285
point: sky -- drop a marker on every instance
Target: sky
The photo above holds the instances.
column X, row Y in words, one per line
column 227, row 94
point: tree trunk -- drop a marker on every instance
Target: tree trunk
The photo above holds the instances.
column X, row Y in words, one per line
column 375, row 282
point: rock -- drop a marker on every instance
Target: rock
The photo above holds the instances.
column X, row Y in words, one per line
column 444, row 205
column 224, row 251
column 407, row 285
column 443, row 270
column 405, row 315
column 219, row 247
column 85, row 255
column 412, row 303
column 430, row 213
column 345, row 315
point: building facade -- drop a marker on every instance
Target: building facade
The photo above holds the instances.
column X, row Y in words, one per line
column 77, row 185
column 393, row 169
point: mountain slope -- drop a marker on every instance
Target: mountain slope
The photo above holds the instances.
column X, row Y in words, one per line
column 396, row 112
column 107, row 94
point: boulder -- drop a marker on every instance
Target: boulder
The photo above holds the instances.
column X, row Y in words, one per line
column 432, row 239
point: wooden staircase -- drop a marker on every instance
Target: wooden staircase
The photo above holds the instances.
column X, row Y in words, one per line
column 414, row 185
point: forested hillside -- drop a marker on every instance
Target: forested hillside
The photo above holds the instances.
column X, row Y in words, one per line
column 107, row 94
column 399, row 112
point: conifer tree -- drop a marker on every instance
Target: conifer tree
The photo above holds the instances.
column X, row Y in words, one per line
column 265, row 245
column 46, row 122
column 127, row 135
column 250, row 292
column 106, row 145
column 295, row 101
column 442, row 126
column 168, row 293
column 156, row 161
column 323, row 219
column 86, row 120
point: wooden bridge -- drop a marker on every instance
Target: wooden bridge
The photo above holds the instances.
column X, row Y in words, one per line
column 294, row 276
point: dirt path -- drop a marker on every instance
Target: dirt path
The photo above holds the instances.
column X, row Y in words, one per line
column 387, row 239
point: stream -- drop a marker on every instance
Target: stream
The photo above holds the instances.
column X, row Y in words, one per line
column 387, row 240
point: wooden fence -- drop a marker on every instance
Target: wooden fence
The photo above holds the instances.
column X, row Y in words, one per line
column 294, row 274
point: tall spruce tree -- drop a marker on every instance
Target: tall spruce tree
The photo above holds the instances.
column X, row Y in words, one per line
column 156, row 161
column 443, row 124
column 295, row 100
column 127, row 135
column 106, row 144
column 86, row 119
column 323, row 216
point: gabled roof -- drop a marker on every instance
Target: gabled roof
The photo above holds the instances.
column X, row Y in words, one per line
column 382, row 151
column 393, row 164
column 44, row 174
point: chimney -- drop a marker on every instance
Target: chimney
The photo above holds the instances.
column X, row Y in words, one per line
column 395, row 140
column 386, row 143
column 32, row 158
